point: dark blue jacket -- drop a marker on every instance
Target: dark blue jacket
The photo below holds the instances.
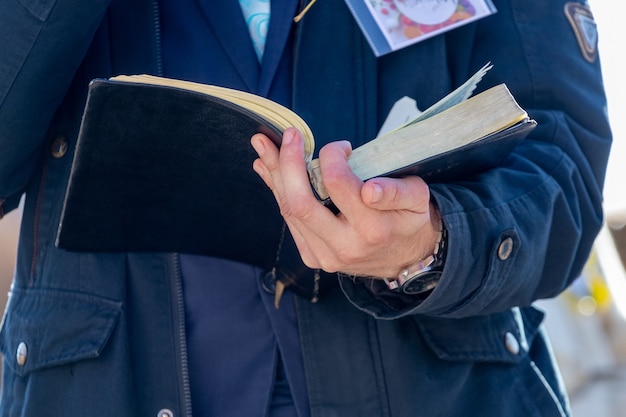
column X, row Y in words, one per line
column 103, row 334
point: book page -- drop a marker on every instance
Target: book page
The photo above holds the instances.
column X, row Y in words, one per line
column 490, row 111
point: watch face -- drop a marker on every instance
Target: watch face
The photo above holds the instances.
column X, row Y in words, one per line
column 422, row 282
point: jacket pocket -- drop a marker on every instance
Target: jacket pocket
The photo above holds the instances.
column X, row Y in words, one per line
column 500, row 337
column 45, row 328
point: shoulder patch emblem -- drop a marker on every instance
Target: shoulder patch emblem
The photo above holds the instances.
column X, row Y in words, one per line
column 585, row 29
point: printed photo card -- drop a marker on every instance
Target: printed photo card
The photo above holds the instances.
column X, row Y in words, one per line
column 390, row 25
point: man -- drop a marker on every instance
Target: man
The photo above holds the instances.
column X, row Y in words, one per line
column 168, row 334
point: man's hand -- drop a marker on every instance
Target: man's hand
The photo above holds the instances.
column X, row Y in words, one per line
column 384, row 224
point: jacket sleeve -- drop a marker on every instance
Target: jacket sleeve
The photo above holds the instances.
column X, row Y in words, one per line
column 41, row 45
column 523, row 231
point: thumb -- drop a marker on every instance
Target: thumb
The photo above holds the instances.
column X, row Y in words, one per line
column 410, row 193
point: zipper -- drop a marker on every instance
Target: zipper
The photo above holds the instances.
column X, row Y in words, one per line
column 158, row 49
column 176, row 278
column 179, row 322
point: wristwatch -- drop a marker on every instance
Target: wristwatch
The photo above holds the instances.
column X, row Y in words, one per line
column 423, row 275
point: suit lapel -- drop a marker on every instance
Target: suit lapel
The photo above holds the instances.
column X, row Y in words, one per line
column 281, row 21
column 227, row 22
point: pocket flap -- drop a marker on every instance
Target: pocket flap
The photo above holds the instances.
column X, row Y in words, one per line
column 45, row 328
column 499, row 337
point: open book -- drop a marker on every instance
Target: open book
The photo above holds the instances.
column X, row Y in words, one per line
column 165, row 165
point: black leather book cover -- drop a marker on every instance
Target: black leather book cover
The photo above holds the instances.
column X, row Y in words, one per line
column 168, row 170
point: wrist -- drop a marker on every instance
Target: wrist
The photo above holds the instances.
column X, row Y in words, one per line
column 424, row 274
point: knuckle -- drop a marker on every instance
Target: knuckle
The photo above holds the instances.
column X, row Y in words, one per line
column 331, row 179
column 310, row 261
column 394, row 194
column 344, row 258
column 329, row 265
column 408, row 192
column 331, row 148
column 330, row 261
column 379, row 235
column 296, row 209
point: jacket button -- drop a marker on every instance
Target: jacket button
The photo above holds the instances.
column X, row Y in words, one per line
column 165, row 413
column 58, row 147
column 505, row 249
column 22, row 354
column 511, row 343
column 268, row 282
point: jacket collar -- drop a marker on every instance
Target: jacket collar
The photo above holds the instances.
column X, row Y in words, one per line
column 226, row 20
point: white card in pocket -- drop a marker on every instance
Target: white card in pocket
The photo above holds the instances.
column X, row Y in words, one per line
column 389, row 25
column 401, row 112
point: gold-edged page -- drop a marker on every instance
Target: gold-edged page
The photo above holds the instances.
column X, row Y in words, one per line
column 488, row 112
column 277, row 114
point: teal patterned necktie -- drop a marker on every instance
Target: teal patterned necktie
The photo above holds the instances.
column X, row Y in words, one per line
column 257, row 15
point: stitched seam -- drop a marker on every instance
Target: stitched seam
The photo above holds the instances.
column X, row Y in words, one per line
column 548, row 388
column 36, row 218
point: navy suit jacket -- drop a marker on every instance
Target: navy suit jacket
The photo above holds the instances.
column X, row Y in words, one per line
column 109, row 329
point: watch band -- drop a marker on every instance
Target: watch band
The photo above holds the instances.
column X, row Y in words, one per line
column 425, row 274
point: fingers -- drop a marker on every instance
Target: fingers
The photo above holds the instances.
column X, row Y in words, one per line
column 354, row 198
column 381, row 224
column 285, row 174
column 295, row 181
column 266, row 150
column 344, row 188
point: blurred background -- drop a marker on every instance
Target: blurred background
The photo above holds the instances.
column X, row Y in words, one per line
column 587, row 323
